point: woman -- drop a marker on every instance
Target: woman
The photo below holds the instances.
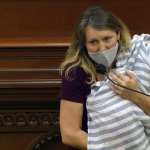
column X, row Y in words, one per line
column 97, row 31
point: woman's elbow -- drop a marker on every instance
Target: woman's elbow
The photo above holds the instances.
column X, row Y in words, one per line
column 67, row 137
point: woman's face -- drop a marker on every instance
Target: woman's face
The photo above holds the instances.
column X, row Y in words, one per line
column 100, row 40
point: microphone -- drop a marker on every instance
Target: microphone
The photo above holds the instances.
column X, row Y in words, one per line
column 100, row 68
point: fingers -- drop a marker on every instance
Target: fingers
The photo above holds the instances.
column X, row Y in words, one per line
column 125, row 80
column 122, row 78
column 130, row 74
column 118, row 77
column 117, row 89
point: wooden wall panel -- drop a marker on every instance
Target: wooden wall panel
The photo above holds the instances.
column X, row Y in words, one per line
column 29, row 85
column 47, row 21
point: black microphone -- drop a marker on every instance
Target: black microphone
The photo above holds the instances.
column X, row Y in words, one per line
column 100, row 68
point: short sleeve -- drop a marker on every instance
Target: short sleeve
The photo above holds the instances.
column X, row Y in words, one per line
column 75, row 87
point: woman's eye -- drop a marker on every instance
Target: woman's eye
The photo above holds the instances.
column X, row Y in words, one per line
column 107, row 39
column 93, row 42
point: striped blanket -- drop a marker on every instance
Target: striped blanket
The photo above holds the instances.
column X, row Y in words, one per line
column 115, row 123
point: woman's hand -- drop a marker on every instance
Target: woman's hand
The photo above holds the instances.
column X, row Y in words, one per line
column 129, row 80
column 126, row 80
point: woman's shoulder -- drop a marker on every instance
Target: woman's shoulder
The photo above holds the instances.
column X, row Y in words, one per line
column 74, row 85
column 75, row 73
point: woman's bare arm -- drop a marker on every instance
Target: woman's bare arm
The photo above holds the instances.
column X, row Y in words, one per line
column 70, row 124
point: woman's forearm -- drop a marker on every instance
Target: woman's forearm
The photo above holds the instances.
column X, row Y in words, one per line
column 81, row 140
column 77, row 139
column 142, row 101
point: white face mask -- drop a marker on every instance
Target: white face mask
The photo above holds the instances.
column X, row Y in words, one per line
column 105, row 57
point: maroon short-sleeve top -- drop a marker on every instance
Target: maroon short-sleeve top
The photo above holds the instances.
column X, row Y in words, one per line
column 75, row 89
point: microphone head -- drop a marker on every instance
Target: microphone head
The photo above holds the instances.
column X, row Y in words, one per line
column 100, row 68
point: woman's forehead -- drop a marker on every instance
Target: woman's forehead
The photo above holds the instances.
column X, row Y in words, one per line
column 90, row 31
